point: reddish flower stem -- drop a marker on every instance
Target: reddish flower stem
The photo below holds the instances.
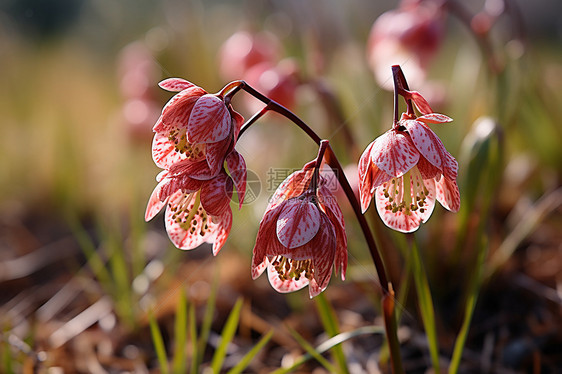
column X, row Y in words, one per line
column 321, row 150
column 400, row 84
column 331, row 159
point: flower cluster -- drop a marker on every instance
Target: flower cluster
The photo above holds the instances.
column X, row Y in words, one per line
column 407, row 168
column 195, row 137
column 301, row 235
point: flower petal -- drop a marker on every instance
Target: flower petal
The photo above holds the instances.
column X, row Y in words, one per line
column 334, row 213
column 324, row 247
column 294, row 185
column 154, row 205
column 298, row 223
column 434, row 118
column 187, row 225
column 197, row 170
column 266, row 241
column 176, row 112
column 405, row 222
column 284, row 286
column 222, row 229
column 428, row 144
column 394, row 153
column 164, row 152
column 448, row 194
column 237, row 169
column 216, row 153
column 420, row 102
column 175, row 84
column 209, row 121
column 216, row 194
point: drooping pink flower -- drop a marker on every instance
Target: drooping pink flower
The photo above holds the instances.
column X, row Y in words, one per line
column 301, row 236
column 409, row 36
column 406, row 169
column 194, row 126
column 197, row 210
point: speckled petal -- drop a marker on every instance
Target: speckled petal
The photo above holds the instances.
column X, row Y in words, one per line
column 324, row 247
column 186, row 228
column 394, row 153
column 176, row 112
column 298, row 223
column 334, row 213
column 237, row 169
column 154, row 205
column 427, row 143
column 434, row 118
column 175, row 84
column 216, row 153
column 216, row 194
column 448, row 194
column 294, row 185
column 209, row 121
column 400, row 221
column 284, row 286
column 164, row 152
column 221, row 228
column 266, row 241
column 197, row 170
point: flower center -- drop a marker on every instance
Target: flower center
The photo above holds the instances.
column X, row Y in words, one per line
column 407, row 193
column 293, row 269
column 186, row 211
column 181, row 145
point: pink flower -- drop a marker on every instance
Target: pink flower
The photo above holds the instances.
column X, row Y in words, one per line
column 197, row 210
column 410, row 36
column 301, row 236
column 194, row 126
column 278, row 82
column 244, row 50
column 406, row 169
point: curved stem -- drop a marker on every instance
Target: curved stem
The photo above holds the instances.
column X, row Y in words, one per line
column 332, row 160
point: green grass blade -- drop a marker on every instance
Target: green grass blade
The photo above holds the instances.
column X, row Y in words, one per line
column 474, row 288
column 207, row 322
column 330, row 343
column 158, row 342
column 245, row 361
column 425, row 303
column 94, row 260
column 193, row 337
column 180, row 335
column 330, row 323
column 314, row 353
column 227, row 334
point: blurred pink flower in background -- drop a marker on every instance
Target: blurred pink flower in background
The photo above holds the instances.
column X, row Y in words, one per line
column 256, row 58
column 243, row 50
column 137, row 71
column 408, row 36
column 279, row 81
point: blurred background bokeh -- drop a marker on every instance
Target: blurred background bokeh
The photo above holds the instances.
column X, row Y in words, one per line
column 79, row 97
